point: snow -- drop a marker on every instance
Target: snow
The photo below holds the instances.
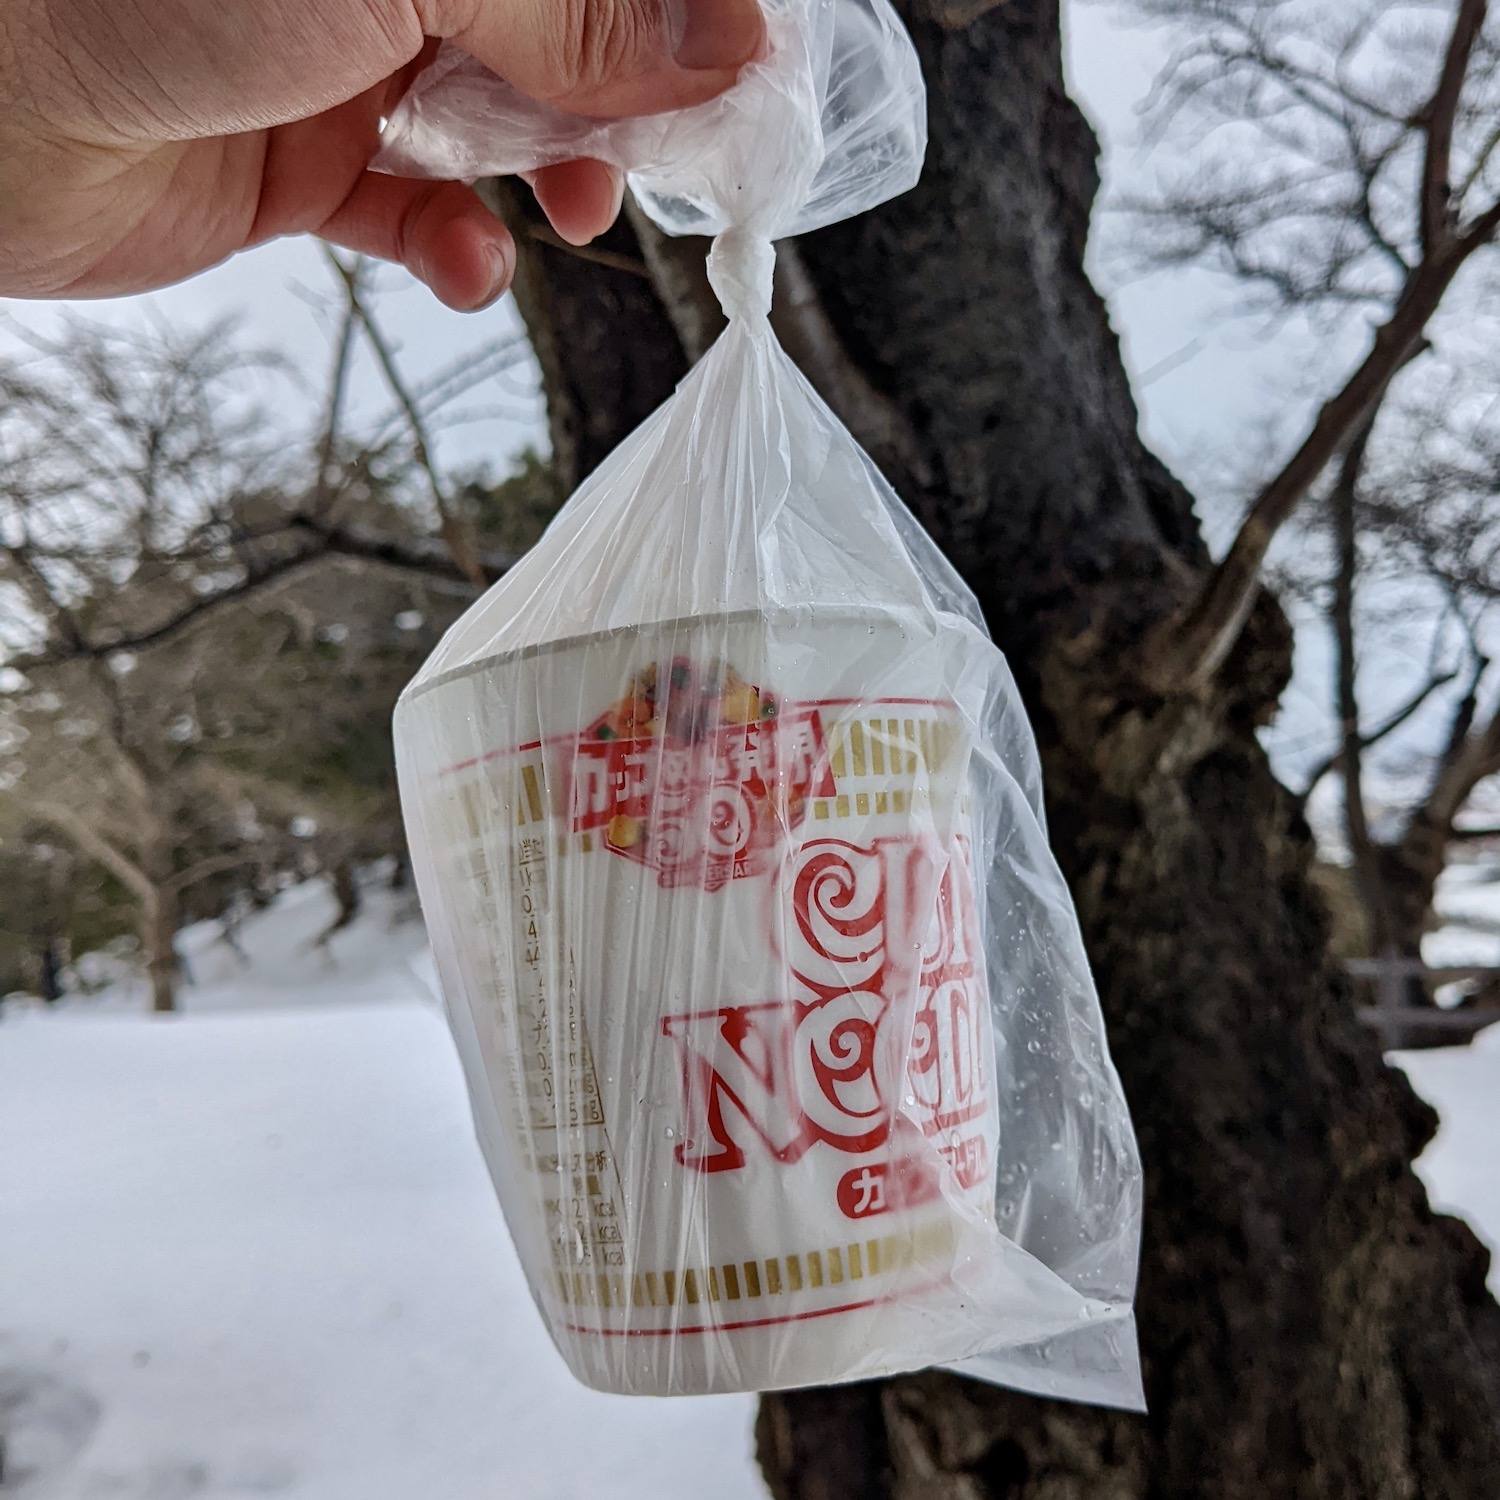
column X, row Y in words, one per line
column 1467, row 902
column 1459, row 1168
column 251, row 1250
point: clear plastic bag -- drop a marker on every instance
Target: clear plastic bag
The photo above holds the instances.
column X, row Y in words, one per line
column 726, row 817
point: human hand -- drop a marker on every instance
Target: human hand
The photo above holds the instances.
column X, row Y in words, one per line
column 144, row 140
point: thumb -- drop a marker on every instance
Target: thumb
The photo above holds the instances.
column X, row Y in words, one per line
column 614, row 57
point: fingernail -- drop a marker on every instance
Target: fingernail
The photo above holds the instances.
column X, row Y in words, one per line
column 619, row 200
column 716, row 33
column 501, row 260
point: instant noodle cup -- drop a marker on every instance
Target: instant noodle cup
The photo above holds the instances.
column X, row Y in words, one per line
column 713, row 946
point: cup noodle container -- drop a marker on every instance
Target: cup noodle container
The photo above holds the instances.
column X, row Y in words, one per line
column 703, row 902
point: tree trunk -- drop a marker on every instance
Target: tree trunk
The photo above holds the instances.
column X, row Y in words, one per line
column 1309, row 1328
column 347, row 893
column 51, row 970
column 159, row 921
column 608, row 352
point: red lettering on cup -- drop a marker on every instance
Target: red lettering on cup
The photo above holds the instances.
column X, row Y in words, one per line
column 865, row 925
column 881, row 1187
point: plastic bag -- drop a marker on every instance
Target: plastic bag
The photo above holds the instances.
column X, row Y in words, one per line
column 727, row 822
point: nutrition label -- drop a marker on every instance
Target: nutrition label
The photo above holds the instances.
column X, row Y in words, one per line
column 562, row 1114
column 559, row 1086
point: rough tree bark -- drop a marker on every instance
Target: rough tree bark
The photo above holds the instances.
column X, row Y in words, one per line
column 1310, row 1329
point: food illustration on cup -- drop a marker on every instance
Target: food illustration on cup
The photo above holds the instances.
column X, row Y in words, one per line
column 696, row 773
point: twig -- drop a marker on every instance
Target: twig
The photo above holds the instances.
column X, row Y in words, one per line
column 545, row 234
column 1381, row 731
column 458, row 536
column 337, row 387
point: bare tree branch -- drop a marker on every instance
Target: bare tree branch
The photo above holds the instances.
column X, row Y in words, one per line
column 1437, row 121
column 1481, row 231
column 1185, row 652
column 1480, row 165
column 1382, row 731
column 213, row 864
column 545, row 234
column 1471, row 755
column 808, row 335
column 315, row 544
column 421, row 555
column 678, row 265
column 93, row 846
column 338, row 384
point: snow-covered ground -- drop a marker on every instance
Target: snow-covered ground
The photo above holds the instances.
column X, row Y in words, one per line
column 1468, row 901
column 1461, row 1168
column 251, row 1250
column 272, row 961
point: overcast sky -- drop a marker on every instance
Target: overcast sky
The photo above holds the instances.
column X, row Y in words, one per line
column 1199, row 382
column 1207, row 383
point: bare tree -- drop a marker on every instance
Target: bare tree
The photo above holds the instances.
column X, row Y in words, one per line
column 164, row 554
column 1350, row 165
column 1339, row 162
column 1419, row 521
column 109, row 461
column 90, row 758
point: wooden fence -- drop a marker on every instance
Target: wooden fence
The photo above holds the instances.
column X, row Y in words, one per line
column 1403, row 1024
